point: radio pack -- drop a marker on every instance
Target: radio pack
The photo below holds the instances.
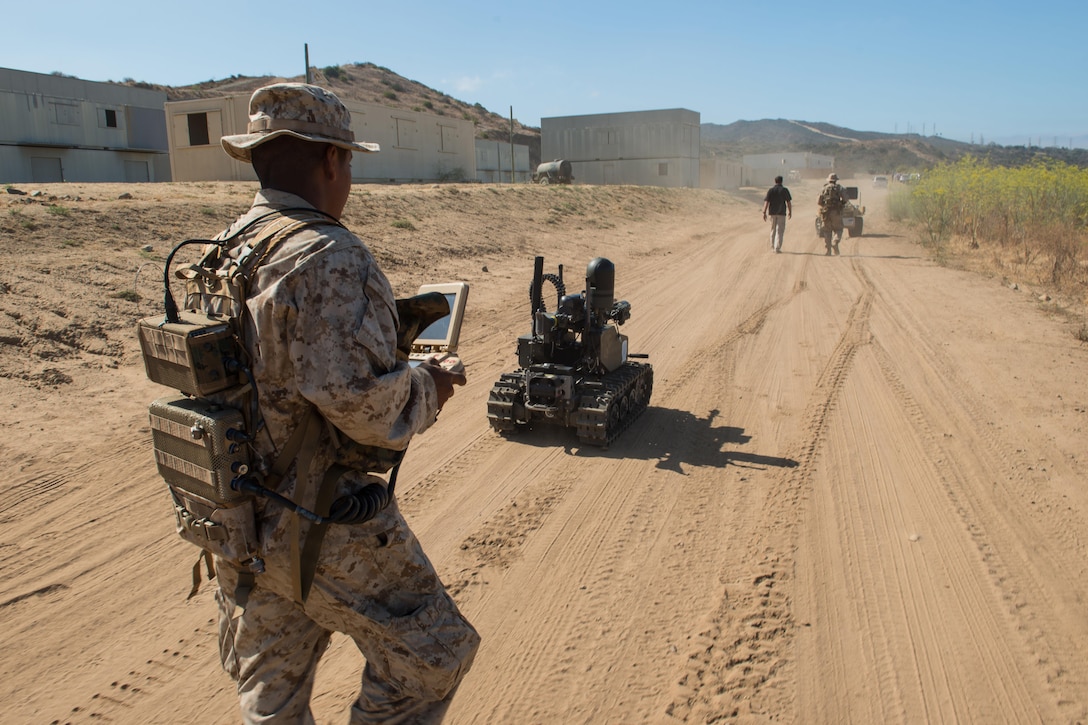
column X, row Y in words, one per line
column 203, row 436
column 192, row 354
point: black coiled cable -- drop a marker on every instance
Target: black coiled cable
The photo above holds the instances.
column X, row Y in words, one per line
column 360, row 507
column 560, row 291
column 355, row 508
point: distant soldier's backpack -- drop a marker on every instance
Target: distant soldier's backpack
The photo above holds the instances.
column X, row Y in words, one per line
column 830, row 197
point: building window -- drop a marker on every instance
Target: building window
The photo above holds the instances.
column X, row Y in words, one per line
column 111, row 118
column 447, row 138
column 406, row 133
column 198, row 129
column 66, row 114
column 663, row 169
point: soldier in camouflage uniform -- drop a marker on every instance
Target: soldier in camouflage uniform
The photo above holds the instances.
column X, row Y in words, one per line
column 322, row 332
column 831, row 202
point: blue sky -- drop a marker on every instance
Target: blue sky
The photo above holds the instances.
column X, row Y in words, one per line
column 971, row 70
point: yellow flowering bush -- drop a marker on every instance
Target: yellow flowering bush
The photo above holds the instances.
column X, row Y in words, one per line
column 1034, row 217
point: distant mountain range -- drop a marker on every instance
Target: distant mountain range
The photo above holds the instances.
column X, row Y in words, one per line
column 857, row 151
column 865, row 151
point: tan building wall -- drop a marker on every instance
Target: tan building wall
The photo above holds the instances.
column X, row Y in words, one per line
column 414, row 146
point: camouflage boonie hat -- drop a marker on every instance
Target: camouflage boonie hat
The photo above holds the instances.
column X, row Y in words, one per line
column 832, row 177
column 295, row 109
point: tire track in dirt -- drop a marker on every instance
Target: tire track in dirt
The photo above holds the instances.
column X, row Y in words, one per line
column 923, row 619
column 40, row 510
column 31, row 495
column 938, row 633
column 587, row 532
column 744, row 643
column 1020, row 572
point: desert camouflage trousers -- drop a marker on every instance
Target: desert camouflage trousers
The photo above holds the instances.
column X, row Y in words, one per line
column 374, row 584
column 831, row 221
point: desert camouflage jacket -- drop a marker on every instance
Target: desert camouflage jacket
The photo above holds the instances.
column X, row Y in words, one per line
column 322, row 331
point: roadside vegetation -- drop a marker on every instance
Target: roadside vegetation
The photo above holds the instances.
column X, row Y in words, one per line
column 1028, row 224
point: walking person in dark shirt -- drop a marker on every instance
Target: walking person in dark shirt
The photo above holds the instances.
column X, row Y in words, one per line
column 779, row 204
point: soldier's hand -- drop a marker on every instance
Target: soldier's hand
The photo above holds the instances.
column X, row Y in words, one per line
column 444, row 379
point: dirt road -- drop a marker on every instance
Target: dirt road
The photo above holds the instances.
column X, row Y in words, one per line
column 857, row 496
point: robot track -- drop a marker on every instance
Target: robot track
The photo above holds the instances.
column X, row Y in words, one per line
column 506, row 395
column 609, row 406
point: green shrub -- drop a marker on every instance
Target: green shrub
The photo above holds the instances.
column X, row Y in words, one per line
column 1034, row 216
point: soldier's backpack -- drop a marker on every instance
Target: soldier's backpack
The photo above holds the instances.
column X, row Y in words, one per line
column 204, row 435
column 830, row 197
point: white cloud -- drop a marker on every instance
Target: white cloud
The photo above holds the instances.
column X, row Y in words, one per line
column 466, row 83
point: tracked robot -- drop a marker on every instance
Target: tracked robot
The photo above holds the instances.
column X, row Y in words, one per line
column 575, row 369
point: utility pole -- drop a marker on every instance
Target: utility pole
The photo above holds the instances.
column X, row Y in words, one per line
column 512, row 178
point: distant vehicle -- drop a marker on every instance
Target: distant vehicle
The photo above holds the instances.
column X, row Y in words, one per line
column 880, row 182
column 554, row 172
column 793, row 175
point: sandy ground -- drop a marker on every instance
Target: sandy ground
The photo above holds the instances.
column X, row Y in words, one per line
column 857, row 496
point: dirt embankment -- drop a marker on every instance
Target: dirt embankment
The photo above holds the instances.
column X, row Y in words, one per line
column 857, row 495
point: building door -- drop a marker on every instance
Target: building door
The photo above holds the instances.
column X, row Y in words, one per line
column 136, row 172
column 45, row 170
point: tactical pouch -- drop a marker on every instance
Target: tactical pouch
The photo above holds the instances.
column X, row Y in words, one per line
column 228, row 531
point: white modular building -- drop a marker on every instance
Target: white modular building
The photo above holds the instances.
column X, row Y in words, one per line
column 56, row 128
column 647, row 148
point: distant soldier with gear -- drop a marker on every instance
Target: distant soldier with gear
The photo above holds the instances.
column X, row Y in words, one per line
column 321, row 327
column 779, row 204
column 831, row 201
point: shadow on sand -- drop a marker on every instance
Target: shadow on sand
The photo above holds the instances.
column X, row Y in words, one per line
column 674, row 438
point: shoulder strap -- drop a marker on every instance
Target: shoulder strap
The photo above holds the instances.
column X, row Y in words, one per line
column 254, row 254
